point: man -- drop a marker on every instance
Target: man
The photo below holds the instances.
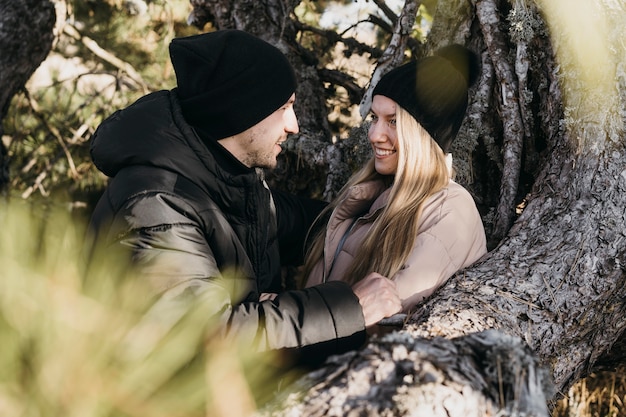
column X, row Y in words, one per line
column 187, row 195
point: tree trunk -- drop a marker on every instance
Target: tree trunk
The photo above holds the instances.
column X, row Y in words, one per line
column 311, row 164
column 539, row 311
column 25, row 40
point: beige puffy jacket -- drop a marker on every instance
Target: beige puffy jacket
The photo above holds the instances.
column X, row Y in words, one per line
column 451, row 237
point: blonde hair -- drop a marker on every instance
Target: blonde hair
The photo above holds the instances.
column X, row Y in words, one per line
column 421, row 172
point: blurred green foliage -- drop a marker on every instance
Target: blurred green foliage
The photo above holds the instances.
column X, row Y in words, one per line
column 105, row 56
column 81, row 338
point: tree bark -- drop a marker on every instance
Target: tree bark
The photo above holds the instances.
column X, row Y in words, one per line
column 556, row 282
column 538, row 312
column 496, row 43
column 26, row 35
column 399, row 374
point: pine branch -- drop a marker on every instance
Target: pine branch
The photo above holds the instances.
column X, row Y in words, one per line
column 108, row 57
column 55, row 132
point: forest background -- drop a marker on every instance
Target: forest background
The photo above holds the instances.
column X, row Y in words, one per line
column 107, row 53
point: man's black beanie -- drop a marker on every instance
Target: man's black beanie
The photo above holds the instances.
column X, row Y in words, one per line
column 229, row 80
column 434, row 90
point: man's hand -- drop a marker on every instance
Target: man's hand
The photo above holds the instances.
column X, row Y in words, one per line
column 378, row 297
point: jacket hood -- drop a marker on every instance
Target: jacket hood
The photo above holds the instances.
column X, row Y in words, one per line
column 145, row 133
column 153, row 132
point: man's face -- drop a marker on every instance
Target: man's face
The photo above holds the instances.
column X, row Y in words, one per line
column 258, row 146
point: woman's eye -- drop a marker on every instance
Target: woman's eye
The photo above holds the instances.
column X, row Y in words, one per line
column 373, row 119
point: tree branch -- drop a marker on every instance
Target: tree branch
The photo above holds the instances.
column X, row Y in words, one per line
column 394, row 54
column 488, row 18
column 355, row 92
column 108, row 57
column 55, row 132
column 387, row 11
column 485, row 373
column 334, row 38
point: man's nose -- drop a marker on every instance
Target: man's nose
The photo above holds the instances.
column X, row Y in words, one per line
column 291, row 122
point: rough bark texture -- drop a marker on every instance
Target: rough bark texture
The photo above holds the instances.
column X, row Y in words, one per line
column 509, row 109
column 25, row 40
column 551, row 295
column 485, row 373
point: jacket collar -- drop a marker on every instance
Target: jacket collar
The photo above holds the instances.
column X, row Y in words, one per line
column 360, row 200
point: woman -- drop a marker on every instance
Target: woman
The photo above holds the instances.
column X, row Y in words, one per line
column 401, row 215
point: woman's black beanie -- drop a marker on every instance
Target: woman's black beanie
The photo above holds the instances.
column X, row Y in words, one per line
column 434, row 90
column 229, row 80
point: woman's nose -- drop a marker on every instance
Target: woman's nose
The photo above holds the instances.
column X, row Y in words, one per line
column 376, row 132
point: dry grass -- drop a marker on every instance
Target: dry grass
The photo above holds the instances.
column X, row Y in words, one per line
column 602, row 394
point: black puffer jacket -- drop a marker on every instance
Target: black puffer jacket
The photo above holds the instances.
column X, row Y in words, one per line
column 199, row 222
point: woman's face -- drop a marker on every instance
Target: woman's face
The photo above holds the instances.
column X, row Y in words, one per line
column 383, row 135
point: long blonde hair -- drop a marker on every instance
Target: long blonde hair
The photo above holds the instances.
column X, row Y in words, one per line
column 421, row 172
